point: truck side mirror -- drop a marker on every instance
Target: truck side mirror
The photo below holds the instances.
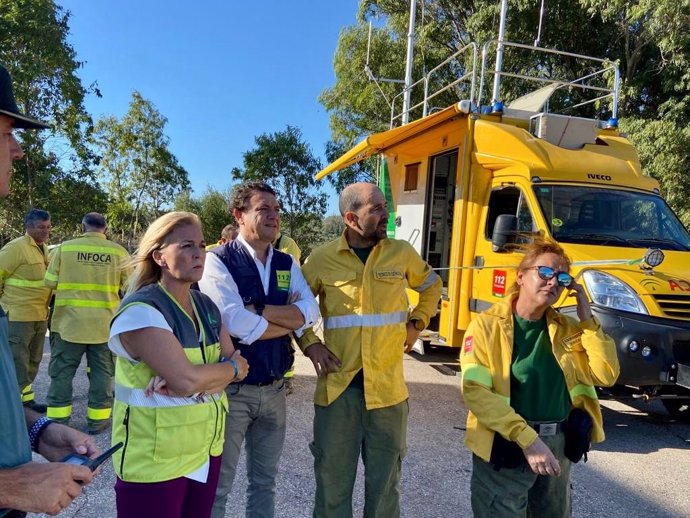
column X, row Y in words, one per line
column 505, row 231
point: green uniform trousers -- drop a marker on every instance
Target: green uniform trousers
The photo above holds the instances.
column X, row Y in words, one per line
column 341, row 431
column 26, row 342
column 65, row 358
column 519, row 492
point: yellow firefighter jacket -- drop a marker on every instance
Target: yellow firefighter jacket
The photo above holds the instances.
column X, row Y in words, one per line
column 586, row 355
column 365, row 312
column 288, row 245
column 87, row 275
column 23, row 295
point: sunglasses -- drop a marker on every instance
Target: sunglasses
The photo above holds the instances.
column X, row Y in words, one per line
column 546, row 273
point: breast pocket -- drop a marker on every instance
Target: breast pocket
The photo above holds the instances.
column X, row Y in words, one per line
column 341, row 293
column 34, row 269
column 389, row 285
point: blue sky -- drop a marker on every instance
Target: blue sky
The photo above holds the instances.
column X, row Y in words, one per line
column 221, row 71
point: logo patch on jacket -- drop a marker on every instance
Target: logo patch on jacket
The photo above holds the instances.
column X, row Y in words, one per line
column 383, row 275
column 569, row 341
column 283, row 277
column 94, row 257
column 469, row 345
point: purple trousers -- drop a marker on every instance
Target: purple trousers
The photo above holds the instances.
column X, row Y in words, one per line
column 177, row 498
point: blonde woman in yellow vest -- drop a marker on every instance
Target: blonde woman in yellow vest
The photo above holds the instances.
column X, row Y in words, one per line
column 528, row 377
column 170, row 377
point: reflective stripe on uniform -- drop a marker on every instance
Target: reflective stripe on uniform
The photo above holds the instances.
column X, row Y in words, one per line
column 478, row 374
column 80, row 303
column 93, row 248
column 59, row 412
column 98, row 414
column 28, row 394
column 87, row 287
column 137, row 398
column 376, row 320
column 428, row 282
column 583, row 390
column 23, row 283
column 51, row 277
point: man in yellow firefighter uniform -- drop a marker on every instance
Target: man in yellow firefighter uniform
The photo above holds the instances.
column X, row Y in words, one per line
column 360, row 403
column 288, row 245
column 25, row 298
column 87, row 275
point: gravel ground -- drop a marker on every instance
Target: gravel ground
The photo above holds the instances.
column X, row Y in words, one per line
column 642, row 470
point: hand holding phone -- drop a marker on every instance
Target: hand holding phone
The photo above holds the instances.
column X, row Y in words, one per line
column 92, row 464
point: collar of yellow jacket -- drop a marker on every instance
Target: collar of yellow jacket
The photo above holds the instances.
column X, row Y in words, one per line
column 33, row 242
column 504, row 309
column 93, row 234
column 343, row 245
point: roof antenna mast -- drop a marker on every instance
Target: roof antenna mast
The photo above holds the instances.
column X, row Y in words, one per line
column 541, row 19
column 408, row 66
column 499, row 52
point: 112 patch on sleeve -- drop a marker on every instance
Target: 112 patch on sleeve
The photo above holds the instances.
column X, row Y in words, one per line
column 468, row 346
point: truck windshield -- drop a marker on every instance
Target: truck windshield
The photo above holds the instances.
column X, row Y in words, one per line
column 610, row 217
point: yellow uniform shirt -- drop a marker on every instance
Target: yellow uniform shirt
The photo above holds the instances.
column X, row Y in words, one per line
column 287, row 244
column 23, row 295
column 87, row 276
column 365, row 312
column 586, row 355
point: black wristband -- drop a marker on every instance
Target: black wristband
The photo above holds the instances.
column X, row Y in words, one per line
column 259, row 309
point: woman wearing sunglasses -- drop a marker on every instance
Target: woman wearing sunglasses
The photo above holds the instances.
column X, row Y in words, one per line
column 525, row 369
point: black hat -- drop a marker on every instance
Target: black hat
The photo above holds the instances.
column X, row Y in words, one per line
column 8, row 106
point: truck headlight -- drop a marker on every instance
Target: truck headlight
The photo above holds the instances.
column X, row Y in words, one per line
column 608, row 291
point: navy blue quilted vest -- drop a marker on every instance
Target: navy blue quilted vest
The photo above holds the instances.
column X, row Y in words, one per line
column 267, row 358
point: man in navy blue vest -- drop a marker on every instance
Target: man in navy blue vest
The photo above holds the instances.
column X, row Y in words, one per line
column 263, row 298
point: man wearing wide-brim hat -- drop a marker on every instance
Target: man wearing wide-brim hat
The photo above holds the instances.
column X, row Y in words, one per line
column 27, row 486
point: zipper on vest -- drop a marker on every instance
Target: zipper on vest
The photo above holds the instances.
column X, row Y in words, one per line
column 125, row 422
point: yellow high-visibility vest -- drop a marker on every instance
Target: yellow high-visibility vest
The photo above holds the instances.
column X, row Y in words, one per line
column 87, row 275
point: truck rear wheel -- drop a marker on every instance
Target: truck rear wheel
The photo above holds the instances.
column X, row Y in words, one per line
column 678, row 408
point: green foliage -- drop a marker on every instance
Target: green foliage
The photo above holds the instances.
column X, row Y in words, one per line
column 285, row 162
column 331, row 228
column 212, row 209
column 141, row 175
column 57, row 171
column 649, row 38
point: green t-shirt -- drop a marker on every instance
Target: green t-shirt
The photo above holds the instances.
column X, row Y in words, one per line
column 537, row 386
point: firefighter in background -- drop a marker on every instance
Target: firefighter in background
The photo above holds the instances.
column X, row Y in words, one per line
column 289, row 246
column 87, row 275
column 25, row 298
column 229, row 233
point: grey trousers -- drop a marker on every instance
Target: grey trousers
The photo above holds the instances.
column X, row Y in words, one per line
column 256, row 416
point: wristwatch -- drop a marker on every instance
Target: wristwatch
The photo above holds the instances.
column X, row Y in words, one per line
column 418, row 324
column 259, row 308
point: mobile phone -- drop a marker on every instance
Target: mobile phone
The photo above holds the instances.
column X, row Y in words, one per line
column 92, row 464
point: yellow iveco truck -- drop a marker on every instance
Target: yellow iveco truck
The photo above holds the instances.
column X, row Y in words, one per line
column 469, row 182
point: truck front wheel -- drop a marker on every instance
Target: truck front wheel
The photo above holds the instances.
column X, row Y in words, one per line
column 678, row 408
